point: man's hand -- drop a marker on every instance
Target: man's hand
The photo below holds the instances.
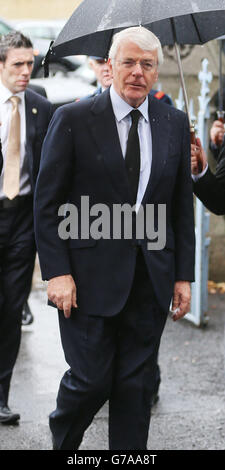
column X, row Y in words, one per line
column 198, row 158
column 181, row 299
column 217, row 133
column 62, row 292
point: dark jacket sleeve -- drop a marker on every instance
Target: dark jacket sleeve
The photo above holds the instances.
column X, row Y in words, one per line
column 211, row 191
column 56, row 169
column 220, row 168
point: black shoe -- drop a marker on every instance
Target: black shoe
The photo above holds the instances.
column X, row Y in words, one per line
column 27, row 317
column 7, row 416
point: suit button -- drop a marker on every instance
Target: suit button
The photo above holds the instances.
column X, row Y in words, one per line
column 134, row 245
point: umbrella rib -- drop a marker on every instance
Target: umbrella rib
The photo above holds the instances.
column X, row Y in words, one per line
column 196, row 27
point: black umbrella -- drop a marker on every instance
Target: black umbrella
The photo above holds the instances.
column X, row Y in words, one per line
column 92, row 25
column 90, row 28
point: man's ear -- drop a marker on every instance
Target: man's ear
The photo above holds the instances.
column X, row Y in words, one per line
column 90, row 63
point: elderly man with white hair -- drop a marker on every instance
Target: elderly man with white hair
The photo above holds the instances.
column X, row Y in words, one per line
column 120, row 149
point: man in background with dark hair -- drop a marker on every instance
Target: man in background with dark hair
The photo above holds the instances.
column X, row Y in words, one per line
column 25, row 116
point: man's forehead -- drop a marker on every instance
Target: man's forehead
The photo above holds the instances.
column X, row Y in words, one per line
column 128, row 48
column 20, row 54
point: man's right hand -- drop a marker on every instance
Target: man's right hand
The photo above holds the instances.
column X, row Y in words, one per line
column 62, row 292
column 217, row 133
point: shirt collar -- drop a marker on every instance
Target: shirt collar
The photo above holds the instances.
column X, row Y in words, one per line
column 5, row 94
column 121, row 108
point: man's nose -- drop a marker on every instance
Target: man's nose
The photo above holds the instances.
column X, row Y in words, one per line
column 137, row 69
column 105, row 66
column 26, row 69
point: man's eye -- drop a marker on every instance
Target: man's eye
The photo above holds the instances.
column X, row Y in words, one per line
column 128, row 62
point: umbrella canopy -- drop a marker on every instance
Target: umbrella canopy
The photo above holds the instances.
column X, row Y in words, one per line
column 91, row 27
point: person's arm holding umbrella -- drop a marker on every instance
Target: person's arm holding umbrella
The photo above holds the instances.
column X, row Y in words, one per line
column 208, row 187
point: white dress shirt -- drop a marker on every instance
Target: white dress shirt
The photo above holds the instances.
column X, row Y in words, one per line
column 122, row 111
column 5, row 117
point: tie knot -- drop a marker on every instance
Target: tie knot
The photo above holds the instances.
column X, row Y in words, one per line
column 135, row 115
column 15, row 100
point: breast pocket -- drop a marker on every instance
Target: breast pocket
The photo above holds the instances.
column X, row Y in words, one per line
column 79, row 243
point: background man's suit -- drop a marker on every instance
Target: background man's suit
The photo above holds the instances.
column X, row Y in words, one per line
column 17, row 245
column 109, row 273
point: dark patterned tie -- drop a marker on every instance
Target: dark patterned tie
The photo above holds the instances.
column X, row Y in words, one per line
column 132, row 157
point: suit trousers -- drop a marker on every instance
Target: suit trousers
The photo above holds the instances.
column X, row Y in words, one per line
column 114, row 359
column 17, row 255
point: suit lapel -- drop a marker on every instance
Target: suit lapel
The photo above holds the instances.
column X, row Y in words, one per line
column 31, row 116
column 160, row 130
column 31, row 125
column 104, row 131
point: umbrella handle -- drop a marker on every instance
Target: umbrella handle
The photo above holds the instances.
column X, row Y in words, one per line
column 46, row 60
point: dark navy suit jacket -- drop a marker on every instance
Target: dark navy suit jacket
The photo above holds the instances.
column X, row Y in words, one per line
column 81, row 156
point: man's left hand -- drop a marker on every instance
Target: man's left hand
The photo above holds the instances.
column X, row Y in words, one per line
column 198, row 158
column 181, row 299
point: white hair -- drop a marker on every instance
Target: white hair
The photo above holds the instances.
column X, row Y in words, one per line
column 140, row 36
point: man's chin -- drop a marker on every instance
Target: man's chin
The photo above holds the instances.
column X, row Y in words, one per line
column 135, row 99
column 107, row 83
column 21, row 87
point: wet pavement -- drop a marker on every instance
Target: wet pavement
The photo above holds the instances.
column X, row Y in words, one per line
column 190, row 414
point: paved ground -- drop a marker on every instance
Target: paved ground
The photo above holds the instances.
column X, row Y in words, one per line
column 189, row 416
